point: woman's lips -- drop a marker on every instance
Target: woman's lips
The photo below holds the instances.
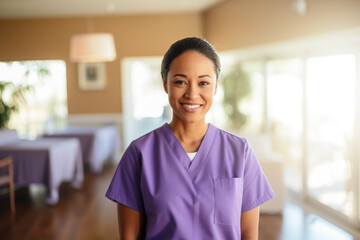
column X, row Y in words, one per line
column 191, row 107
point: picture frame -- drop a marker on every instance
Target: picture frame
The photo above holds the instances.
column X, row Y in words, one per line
column 92, row 76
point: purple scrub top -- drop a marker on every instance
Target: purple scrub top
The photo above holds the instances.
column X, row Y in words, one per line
column 202, row 199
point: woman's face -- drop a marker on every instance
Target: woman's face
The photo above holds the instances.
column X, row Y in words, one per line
column 191, row 85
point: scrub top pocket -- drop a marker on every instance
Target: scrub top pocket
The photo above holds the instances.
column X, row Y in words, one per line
column 228, row 200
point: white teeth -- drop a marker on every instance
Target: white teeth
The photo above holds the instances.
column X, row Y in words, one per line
column 191, row 106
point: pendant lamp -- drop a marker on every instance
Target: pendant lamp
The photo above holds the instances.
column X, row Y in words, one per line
column 92, row 47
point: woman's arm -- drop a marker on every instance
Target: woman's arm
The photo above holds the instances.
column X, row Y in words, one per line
column 131, row 223
column 250, row 224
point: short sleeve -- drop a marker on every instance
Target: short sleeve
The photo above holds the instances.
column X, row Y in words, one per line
column 125, row 185
column 257, row 189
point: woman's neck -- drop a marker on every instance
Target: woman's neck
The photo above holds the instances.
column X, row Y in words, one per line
column 189, row 135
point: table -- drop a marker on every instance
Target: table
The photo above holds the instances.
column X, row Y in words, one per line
column 98, row 143
column 46, row 161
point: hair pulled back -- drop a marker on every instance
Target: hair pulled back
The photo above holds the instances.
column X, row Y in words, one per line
column 190, row 43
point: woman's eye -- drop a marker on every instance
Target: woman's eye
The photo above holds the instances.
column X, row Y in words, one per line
column 204, row 83
column 179, row 82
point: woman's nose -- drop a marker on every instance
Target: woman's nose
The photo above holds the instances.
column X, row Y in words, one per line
column 192, row 91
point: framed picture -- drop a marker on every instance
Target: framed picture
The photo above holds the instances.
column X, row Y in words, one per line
column 92, row 76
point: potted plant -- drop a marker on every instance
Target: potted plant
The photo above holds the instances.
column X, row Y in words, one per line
column 10, row 97
column 237, row 86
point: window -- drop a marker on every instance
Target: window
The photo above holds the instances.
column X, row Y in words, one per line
column 46, row 103
column 234, row 112
column 285, row 116
column 331, row 114
column 145, row 101
column 148, row 96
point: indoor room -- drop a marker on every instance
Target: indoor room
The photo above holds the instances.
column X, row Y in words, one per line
column 81, row 80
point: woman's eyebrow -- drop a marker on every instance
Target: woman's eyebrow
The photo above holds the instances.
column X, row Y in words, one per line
column 203, row 76
column 184, row 76
column 179, row 75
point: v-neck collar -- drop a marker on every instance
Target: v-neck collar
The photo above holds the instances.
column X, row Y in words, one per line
column 192, row 167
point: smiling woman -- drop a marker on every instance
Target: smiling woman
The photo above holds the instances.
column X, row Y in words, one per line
column 190, row 92
column 189, row 179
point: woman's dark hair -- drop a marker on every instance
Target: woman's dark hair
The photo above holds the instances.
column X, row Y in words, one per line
column 191, row 43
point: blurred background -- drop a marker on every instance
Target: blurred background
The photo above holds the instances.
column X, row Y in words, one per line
column 290, row 84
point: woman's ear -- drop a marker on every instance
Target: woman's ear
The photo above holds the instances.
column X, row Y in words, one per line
column 165, row 84
column 215, row 87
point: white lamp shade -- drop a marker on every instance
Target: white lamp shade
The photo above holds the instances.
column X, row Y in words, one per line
column 92, row 47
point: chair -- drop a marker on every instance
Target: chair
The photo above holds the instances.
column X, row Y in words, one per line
column 8, row 179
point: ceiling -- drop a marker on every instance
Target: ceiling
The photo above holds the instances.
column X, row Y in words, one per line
column 71, row 8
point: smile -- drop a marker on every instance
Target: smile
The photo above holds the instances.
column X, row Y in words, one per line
column 191, row 106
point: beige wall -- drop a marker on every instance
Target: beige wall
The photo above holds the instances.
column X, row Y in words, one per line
column 148, row 35
column 238, row 24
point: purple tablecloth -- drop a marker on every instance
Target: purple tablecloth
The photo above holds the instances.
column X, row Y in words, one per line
column 49, row 161
column 98, row 143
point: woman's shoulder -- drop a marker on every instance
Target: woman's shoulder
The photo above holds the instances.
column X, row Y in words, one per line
column 230, row 136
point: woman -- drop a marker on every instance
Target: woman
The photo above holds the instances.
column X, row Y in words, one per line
column 189, row 179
